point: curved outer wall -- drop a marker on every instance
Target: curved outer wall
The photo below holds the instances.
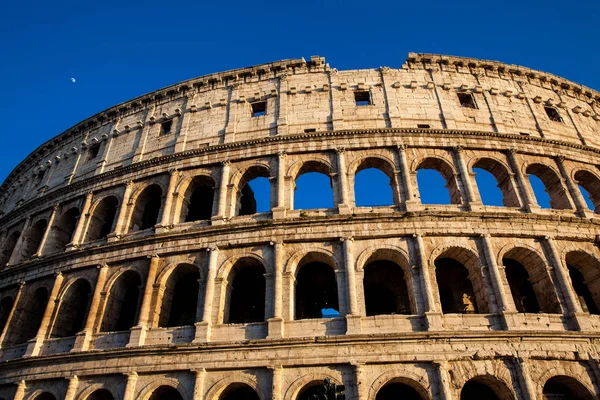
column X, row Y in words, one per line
column 203, row 132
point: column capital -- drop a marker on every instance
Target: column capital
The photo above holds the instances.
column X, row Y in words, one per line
column 129, row 182
column 401, row 147
column 226, row 163
column 131, row 374
column 102, row 265
column 512, row 150
column 458, row 149
column 340, row 150
column 282, row 154
column 22, row 283
column 173, row 171
column 57, row 274
column 559, row 158
column 214, row 248
column 346, row 239
column 485, row 235
column 154, row 255
column 55, row 206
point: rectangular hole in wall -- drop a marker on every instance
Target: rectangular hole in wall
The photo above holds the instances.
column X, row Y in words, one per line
column 466, row 100
column 259, row 108
column 310, row 130
column 362, row 98
column 93, row 152
column 165, row 127
column 553, row 114
column 423, row 126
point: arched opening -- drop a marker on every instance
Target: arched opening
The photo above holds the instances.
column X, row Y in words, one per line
column 254, row 192
column 198, row 200
column 374, row 183
column 101, row 394
column 565, row 388
column 245, row 297
column 589, row 185
column 166, row 393
column 520, row 287
column 455, row 287
column 122, row 303
column 45, row 396
column 310, row 390
column 9, row 246
column 398, row 390
column 437, row 182
column 103, row 218
column 6, row 305
column 147, row 208
column 29, row 317
column 33, row 239
column 552, row 187
column 583, row 292
column 316, row 289
column 72, row 310
column 62, row 231
column 385, row 289
column 180, row 298
column 313, row 187
column 494, row 183
column 530, row 282
column 585, row 276
column 238, row 391
column 474, row 390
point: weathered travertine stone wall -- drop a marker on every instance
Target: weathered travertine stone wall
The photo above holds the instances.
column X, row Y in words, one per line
column 110, row 285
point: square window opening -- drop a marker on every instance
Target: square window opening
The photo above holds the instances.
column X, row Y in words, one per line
column 466, row 100
column 259, row 109
column 165, row 127
column 93, row 152
column 553, row 114
column 362, row 98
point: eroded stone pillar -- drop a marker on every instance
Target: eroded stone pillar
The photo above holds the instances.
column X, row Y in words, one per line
column 120, row 227
column 39, row 251
column 72, row 388
column 528, row 386
column 222, row 204
column 353, row 318
column 280, row 210
column 81, row 222
column 343, row 206
column 276, row 324
column 276, row 382
column 84, row 338
column 527, row 196
column 35, row 345
column 432, row 311
column 199, row 383
column 564, row 280
column 203, row 327
column 472, row 199
column 11, row 315
column 444, row 388
column 138, row 332
column 410, row 198
column 20, row 392
column 130, row 386
column 166, row 215
column 362, row 389
column 580, row 204
column 14, row 257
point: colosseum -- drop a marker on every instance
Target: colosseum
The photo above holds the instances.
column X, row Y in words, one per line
column 136, row 264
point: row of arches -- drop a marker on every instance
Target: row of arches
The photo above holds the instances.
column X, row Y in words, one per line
column 375, row 180
column 388, row 286
column 486, row 387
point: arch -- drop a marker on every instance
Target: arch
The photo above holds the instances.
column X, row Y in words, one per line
column 240, row 378
column 316, row 286
column 538, row 281
column 33, row 239
column 44, row 396
column 315, row 254
column 404, row 377
column 465, row 264
column 398, row 389
column 562, row 387
column 29, row 317
column 161, row 382
column 102, row 218
column 485, row 387
column 385, row 284
column 244, row 198
column 584, row 270
column 122, row 302
column 6, row 305
column 245, row 293
column 72, row 310
column 308, row 380
column 238, row 391
column 319, row 196
column 165, row 393
column 98, row 387
column 147, row 208
column 591, row 184
column 392, row 253
column 383, row 166
column 552, row 186
column 447, row 171
column 501, row 173
column 197, row 202
column 62, row 230
column 8, row 247
column 101, row 394
column 180, row 296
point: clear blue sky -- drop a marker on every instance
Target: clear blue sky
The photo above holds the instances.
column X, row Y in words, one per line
column 120, row 50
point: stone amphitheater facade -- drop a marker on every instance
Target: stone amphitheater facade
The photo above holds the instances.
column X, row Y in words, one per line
column 135, row 266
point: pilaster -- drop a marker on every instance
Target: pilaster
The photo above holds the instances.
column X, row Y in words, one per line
column 138, row 332
column 203, row 327
column 34, row 346
column 84, row 338
column 221, row 216
column 39, row 251
column 81, row 222
column 276, row 323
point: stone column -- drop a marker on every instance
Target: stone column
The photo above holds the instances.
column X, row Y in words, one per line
column 343, row 206
column 138, row 332
column 276, row 324
column 81, row 222
column 199, row 383
column 35, row 345
column 432, row 312
column 472, row 200
column 410, row 198
column 362, row 389
column 222, row 204
column 130, row 386
column 529, row 202
column 40, row 249
column 84, row 338
column 353, row 318
column 20, row 392
column 276, row 382
column 580, row 204
column 282, row 123
column 14, row 257
column 144, row 131
column 233, row 104
column 444, row 382
column 120, row 227
column 203, row 327
column 11, row 314
column 280, row 209
column 72, row 388
column 188, row 111
column 166, row 215
column 528, row 386
column 564, row 280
